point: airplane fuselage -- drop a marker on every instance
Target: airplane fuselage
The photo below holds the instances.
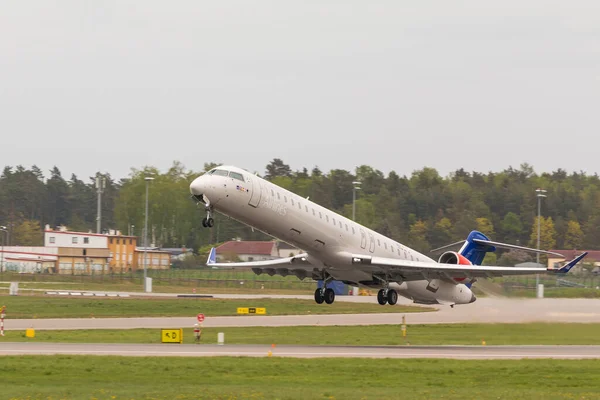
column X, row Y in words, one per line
column 329, row 238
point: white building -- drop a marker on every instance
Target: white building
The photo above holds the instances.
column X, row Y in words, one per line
column 63, row 238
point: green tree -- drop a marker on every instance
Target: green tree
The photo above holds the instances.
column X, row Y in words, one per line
column 547, row 234
column 28, row 233
column 574, row 236
column 485, row 226
column 417, row 236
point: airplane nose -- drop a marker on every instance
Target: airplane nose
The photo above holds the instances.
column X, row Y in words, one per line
column 197, row 187
column 473, row 298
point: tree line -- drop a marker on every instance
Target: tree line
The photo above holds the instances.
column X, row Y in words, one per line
column 423, row 210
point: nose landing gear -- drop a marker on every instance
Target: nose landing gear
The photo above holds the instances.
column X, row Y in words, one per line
column 208, row 221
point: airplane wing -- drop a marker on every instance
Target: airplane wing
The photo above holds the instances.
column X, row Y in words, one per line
column 297, row 265
column 417, row 270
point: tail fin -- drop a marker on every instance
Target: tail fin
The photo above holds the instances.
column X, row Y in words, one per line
column 212, row 257
column 474, row 248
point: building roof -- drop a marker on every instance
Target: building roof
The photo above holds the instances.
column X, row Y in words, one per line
column 593, row 255
column 175, row 251
column 247, row 247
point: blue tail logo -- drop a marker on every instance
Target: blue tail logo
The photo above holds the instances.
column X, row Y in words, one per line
column 473, row 251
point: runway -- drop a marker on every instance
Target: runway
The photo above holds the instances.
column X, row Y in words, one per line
column 176, row 350
column 485, row 310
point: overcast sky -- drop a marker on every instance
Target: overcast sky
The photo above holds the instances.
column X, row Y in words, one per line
column 398, row 85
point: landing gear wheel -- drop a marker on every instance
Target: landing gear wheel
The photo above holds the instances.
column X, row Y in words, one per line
column 210, row 222
column 329, row 296
column 392, row 297
column 204, row 223
column 319, row 296
column 382, row 297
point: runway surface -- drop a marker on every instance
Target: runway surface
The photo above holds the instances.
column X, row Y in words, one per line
column 486, row 310
column 176, row 350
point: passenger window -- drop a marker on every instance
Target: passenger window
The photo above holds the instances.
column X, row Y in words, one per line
column 300, row 206
column 354, row 233
column 412, row 258
column 327, row 218
column 272, row 193
column 385, row 245
column 378, row 243
column 237, row 176
column 334, row 221
column 278, row 197
column 320, row 215
column 292, row 200
column 340, row 224
column 314, row 211
column 285, row 198
column 306, row 208
column 346, row 227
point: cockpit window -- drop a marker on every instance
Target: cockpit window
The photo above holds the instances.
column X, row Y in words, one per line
column 237, row 176
column 220, row 172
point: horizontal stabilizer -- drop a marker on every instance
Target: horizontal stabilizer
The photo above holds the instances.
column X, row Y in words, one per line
column 514, row 247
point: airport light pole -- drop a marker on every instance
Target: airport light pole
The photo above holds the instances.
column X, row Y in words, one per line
column 355, row 187
column 148, row 179
column 100, row 186
column 5, row 231
column 540, row 193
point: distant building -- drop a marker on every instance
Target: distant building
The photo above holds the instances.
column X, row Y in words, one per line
column 155, row 258
column 287, row 250
column 80, row 253
column 254, row 250
column 122, row 256
column 177, row 253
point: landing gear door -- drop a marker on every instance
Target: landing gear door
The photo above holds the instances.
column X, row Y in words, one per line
column 255, row 192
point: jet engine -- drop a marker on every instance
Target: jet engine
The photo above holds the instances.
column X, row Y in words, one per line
column 452, row 257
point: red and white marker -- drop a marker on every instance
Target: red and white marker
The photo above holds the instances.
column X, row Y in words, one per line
column 200, row 318
column 2, row 314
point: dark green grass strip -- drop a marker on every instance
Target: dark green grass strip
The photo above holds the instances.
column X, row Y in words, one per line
column 95, row 377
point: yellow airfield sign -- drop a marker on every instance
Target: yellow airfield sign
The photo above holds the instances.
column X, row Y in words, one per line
column 252, row 310
column 171, row 335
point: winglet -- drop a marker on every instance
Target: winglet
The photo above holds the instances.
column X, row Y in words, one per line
column 567, row 267
column 212, row 257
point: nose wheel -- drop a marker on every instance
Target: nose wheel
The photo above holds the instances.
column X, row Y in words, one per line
column 208, row 222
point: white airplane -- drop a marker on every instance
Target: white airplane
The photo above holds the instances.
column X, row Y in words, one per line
column 337, row 248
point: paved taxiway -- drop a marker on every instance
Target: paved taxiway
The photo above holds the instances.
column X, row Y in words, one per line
column 156, row 350
column 485, row 310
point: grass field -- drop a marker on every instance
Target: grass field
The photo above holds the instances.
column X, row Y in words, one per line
column 450, row 334
column 100, row 377
column 177, row 281
column 19, row 307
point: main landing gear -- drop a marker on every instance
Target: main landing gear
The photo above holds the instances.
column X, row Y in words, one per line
column 387, row 296
column 325, row 294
